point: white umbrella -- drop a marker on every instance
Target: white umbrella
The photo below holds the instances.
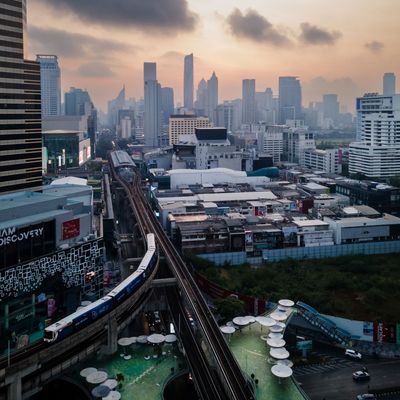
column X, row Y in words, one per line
column 275, row 335
column 114, row 395
column 288, row 363
column 97, row 377
column 125, row 341
column 250, row 318
column 141, row 339
column 281, row 324
column 101, row 391
column 278, row 316
column 276, row 329
column 286, row 303
column 87, row 371
column 240, row 321
column 111, row 383
column 281, row 371
column 228, row 329
column 171, row 338
column 127, row 357
column 265, row 321
column 85, row 303
column 282, row 309
column 133, row 339
column 279, row 353
column 156, row 338
column 276, row 342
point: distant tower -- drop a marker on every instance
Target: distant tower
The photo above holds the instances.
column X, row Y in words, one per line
column 188, row 82
column 201, row 98
column 50, row 84
column 248, row 101
column 212, row 97
column 152, row 105
column 389, row 84
column 289, row 99
column 167, row 103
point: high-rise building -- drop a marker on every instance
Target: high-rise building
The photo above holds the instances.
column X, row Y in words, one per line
column 185, row 125
column 77, row 102
column 376, row 153
column 331, row 108
column 50, row 84
column 264, row 106
column 389, row 84
column 167, row 103
column 188, row 82
column 212, row 97
column 20, row 111
column 248, row 101
column 114, row 106
column 201, row 98
column 152, row 106
column 289, row 99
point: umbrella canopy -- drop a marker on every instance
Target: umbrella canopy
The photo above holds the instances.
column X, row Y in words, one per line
column 133, row 339
column 281, row 324
column 141, row 339
column 111, row 383
column 114, row 395
column 227, row 329
column 276, row 342
column 156, row 338
column 281, row 371
column 171, row 338
column 87, row 371
column 279, row 353
column 282, row 309
column 265, row 321
column 275, row 335
column 85, row 303
column 279, row 316
column 97, row 377
column 276, row 329
column 240, row 321
column 250, row 318
column 101, row 391
column 288, row 363
column 286, row 303
column 124, row 341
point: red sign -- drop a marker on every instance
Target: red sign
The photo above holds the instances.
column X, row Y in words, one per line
column 71, row 229
column 384, row 333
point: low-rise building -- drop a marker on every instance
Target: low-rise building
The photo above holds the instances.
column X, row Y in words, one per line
column 322, row 160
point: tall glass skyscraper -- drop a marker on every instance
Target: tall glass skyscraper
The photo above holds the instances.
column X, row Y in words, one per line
column 20, row 114
column 188, row 82
column 289, row 99
column 248, row 101
column 50, row 83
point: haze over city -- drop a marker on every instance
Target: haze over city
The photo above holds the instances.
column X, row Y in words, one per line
column 341, row 47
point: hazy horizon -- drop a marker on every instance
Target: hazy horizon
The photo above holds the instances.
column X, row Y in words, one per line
column 332, row 47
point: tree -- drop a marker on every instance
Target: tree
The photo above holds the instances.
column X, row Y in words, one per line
column 229, row 307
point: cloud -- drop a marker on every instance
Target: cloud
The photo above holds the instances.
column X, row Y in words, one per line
column 95, row 70
column 256, row 27
column 375, row 46
column 158, row 15
column 314, row 35
column 67, row 44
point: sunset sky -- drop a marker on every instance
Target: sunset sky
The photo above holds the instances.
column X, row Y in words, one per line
column 341, row 46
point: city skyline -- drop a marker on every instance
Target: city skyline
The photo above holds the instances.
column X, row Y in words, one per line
column 324, row 47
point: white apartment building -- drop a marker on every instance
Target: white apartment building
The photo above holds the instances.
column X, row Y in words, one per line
column 269, row 139
column 376, row 153
column 296, row 140
column 185, row 125
column 322, row 160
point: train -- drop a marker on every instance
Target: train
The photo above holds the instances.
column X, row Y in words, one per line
column 94, row 311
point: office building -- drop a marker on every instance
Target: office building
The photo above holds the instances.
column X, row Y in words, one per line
column 188, row 82
column 225, row 115
column 328, row 160
column 265, row 107
column 289, row 99
column 50, row 84
column 269, row 139
column 152, row 106
column 167, row 103
column 114, row 106
column 212, row 97
column 20, row 111
column 201, row 98
column 185, row 125
column 389, row 84
column 376, row 153
column 248, row 101
column 331, row 108
column 77, row 102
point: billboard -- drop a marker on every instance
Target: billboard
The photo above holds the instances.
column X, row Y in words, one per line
column 70, row 229
column 384, row 333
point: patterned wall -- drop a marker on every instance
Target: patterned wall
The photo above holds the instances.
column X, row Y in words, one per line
column 73, row 263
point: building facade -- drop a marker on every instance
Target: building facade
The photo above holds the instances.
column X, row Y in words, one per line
column 322, row 160
column 152, row 106
column 212, row 97
column 188, row 82
column 290, row 98
column 185, row 125
column 20, row 113
column 248, row 101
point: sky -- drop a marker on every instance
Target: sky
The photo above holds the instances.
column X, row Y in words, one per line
column 341, row 46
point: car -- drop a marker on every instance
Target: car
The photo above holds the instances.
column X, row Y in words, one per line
column 361, row 376
column 366, row 396
column 353, row 354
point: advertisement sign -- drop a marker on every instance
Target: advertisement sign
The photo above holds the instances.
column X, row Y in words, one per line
column 70, row 229
column 368, row 328
column 51, row 307
column 304, row 344
column 384, row 333
column 14, row 235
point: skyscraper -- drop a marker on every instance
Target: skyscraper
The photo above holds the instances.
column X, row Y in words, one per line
column 201, row 98
column 389, row 84
column 212, row 97
column 167, row 103
column 20, row 114
column 77, row 102
column 248, row 101
column 289, row 99
column 152, row 105
column 331, row 107
column 188, row 82
column 114, row 106
column 50, row 84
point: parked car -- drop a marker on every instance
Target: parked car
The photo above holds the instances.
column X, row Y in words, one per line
column 353, row 354
column 361, row 376
column 366, row 396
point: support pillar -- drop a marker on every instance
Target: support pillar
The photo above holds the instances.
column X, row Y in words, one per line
column 15, row 388
column 112, row 336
